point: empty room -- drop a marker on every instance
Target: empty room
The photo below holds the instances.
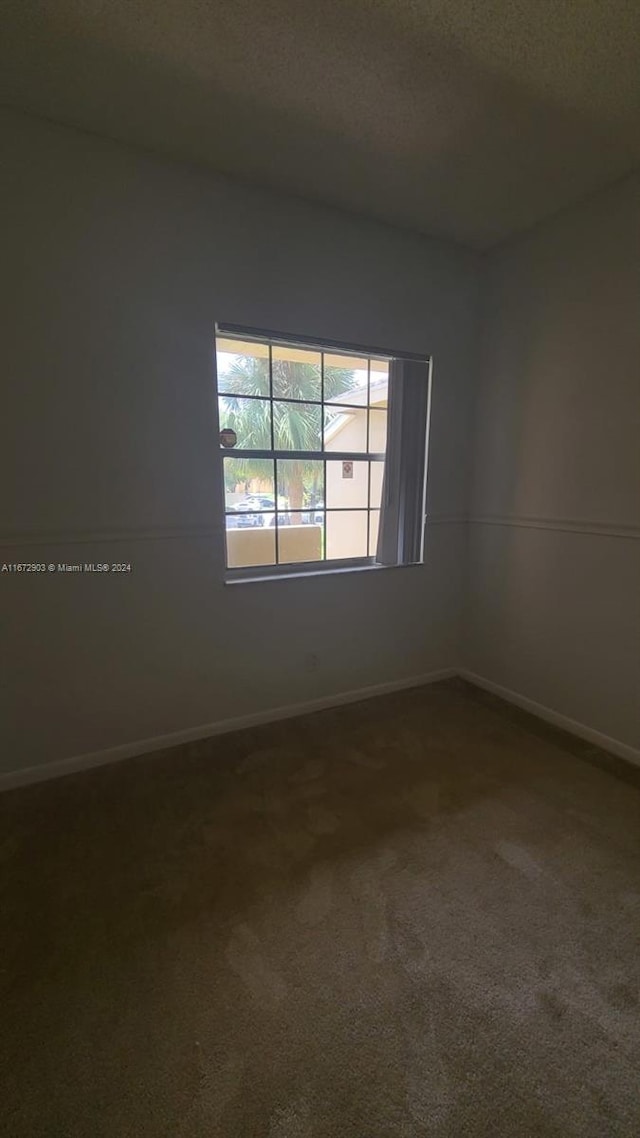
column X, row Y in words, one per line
column 320, row 569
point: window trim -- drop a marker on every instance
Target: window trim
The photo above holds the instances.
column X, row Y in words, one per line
column 302, row 569
column 288, row 570
column 320, row 344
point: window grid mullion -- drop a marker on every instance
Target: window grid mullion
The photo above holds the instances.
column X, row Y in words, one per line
column 369, row 462
column 324, row 462
column 324, row 499
column 310, row 455
column 322, row 400
column 276, row 551
column 333, row 406
column 305, row 510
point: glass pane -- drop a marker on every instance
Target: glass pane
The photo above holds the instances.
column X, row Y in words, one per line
column 250, row 545
column 249, row 418
column 297, row 426
column 346, row 534
column 345, row 379
column 297, row 540
column 249, row 485
column 377, row 431
column 296, row 373
column 300, row 486
column 242, row 369
column 347, row 484
column 379, row 383
column 374, row 525
column 377, row 475
column 345, row 428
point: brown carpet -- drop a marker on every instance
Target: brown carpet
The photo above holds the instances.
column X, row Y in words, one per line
column 414, row 916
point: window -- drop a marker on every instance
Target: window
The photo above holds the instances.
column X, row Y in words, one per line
column 322, row 451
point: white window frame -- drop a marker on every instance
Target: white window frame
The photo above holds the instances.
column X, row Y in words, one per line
column 275, row 339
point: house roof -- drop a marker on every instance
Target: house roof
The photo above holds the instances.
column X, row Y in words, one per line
column 357, row 400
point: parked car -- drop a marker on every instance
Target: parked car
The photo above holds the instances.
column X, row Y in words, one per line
column 315, row 516
column 255, row 510
column 260, row 510
column 258, row 502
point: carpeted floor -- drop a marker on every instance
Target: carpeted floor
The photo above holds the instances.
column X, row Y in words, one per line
column 416, row 916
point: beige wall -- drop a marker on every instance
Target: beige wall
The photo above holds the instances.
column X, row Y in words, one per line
column 347, row 536
column 352, row 436
column 246, row 547
column 117, row 266
column 554, row 572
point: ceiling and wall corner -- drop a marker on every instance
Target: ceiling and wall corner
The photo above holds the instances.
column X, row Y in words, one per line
column 466, row 121
column 119, row 262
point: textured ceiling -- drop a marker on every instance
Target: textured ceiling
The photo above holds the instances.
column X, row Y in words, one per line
column 465, row 119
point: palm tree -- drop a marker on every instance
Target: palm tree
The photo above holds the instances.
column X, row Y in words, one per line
column 297, row 426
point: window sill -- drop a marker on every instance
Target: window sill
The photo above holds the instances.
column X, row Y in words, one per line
column 299, row 574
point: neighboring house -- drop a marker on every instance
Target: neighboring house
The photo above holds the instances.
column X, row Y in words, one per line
column 347, row 532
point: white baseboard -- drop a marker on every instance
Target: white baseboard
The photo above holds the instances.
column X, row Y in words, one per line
column 75, row 763
column 622, row 750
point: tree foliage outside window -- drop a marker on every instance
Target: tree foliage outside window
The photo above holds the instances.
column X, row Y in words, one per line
column 296, row 425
